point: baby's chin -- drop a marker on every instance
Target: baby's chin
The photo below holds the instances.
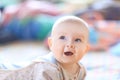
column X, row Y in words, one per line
column 68, row 60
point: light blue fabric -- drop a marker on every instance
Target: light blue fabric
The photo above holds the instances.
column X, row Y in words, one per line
column 93, row 36
column 47, row 58
column 115, row 50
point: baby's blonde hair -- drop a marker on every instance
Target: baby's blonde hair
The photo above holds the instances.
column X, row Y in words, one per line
column 68, row 19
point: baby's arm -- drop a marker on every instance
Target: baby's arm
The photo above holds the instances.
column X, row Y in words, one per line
column 4, row 74
column 36, row 71
column 20, row 74
column 47, row 71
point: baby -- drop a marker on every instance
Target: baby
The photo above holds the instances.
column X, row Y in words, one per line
column 68, row 44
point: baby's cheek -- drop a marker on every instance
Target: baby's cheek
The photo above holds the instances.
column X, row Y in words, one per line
column 80, row 51
column 56, row 48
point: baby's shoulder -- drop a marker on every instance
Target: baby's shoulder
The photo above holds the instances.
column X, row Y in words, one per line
column 46, row 69
column 47, row 60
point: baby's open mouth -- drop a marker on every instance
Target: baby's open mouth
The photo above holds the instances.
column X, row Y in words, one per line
column 68, row 53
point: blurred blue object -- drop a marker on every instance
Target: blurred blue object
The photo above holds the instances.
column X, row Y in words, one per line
column 36, row 28
column 93, row 35
column 12, row 66
column 6, row 36
column 115, row 50
column 26, row 30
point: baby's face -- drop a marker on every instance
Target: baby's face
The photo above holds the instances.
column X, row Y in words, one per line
column 69, row 42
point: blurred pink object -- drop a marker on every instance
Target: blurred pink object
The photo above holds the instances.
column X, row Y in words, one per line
column 30, row 9
column 38, row 7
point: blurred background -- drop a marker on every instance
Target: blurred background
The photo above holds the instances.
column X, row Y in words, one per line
column 25, row 26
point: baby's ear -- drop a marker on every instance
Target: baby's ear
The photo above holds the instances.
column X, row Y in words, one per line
column 49, row 42
column 87, row 48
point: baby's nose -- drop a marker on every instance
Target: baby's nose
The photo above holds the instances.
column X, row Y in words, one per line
column 70, row 45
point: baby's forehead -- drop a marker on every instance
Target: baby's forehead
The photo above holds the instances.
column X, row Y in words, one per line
column 70, row 27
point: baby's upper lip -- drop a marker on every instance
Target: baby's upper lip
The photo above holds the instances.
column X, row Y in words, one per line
column 69, row 50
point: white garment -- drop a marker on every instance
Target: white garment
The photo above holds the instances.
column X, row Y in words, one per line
column 42, row 69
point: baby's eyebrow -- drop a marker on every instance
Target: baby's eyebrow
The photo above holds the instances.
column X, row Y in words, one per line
column 80, row 36
column 61, row 33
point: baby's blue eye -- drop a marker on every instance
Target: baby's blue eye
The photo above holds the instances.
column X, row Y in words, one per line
column 62, row 37
column 78, row 40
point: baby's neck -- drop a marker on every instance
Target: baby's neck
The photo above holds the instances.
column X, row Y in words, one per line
column 71, row 68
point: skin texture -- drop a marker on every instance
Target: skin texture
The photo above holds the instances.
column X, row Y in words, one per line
column 69, row 37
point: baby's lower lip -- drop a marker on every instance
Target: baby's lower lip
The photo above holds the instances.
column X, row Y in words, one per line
column 68, row 53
